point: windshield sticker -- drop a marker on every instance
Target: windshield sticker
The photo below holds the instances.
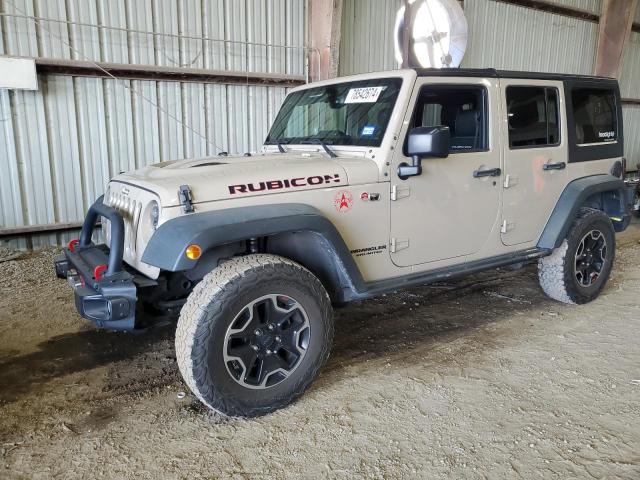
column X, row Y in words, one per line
column 368, row 130
column 363, row 95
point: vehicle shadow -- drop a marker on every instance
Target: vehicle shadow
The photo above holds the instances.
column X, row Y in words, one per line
column 368, row 329
column 70, row 353
column 428, row 316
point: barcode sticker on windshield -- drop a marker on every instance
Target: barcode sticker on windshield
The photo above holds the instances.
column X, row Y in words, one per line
column 363, row 95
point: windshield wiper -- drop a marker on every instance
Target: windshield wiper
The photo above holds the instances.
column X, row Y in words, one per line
column 280, row 147
column 318, row 141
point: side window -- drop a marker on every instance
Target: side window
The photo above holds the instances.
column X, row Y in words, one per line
column 533, row 117
column 461, row 108
column 594, row 112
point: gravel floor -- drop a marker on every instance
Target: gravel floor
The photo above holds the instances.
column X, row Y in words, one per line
column 479, row 378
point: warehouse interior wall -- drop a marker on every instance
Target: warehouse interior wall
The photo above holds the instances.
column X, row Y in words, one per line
column 61, row 144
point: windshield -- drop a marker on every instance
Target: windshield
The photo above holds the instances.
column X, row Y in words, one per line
column 351, row 113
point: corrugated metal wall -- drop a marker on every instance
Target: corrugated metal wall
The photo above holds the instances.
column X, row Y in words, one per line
column 501, row 36
column 630, row 88
column 61, row 144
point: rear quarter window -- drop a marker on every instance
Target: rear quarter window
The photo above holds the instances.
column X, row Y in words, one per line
column 595, row 116
column 594, row 119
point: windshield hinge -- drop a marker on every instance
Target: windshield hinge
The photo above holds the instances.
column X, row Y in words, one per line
column 186, row 198
column 398, row 244
column 400, row 191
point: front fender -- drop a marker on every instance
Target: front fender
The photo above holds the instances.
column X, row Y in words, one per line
column 167, row 246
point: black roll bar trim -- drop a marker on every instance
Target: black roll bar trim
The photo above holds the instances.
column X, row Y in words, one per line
column 116, row 247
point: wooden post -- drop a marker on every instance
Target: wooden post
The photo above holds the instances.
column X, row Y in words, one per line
column 613, row 33
column 325, row 22
column 406, row 35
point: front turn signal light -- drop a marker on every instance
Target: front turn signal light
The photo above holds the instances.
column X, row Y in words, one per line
column 193, row 252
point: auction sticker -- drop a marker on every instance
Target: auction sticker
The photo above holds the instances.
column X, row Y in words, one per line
column 363, row 95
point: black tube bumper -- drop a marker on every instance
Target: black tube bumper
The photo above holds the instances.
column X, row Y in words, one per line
column 107, row 298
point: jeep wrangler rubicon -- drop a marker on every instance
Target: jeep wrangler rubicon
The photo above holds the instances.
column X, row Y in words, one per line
column 365, row 184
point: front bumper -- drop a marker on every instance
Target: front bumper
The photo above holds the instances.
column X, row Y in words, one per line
column 105, row 293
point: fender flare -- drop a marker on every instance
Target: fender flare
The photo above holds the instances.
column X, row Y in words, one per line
column 576, row 195
column 210, row 229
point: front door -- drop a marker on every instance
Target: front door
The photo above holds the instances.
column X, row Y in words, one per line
column 534, row 155
column 447, row 212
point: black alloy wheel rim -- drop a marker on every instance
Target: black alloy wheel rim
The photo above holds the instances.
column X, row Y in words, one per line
column 590, row 258
column 266, row 341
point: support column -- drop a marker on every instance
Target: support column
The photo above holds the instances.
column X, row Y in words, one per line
column 325, row 22
column 614, row 31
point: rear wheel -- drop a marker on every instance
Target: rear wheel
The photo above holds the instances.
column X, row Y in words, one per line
column 578, row 269
column 254, row 334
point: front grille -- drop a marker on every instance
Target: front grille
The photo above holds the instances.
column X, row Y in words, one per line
column 130, row 209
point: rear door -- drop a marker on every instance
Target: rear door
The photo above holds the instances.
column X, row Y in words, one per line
column 535, row 156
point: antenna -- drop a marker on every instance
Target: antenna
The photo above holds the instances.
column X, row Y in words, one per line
column 437, row 33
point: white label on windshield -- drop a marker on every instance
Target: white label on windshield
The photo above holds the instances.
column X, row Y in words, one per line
column 363, row 95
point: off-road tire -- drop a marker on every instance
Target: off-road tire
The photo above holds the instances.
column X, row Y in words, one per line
column 557, row 272
column 211, row 309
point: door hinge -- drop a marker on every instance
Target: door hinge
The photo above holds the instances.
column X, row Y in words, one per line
column 507, row 226
column 400, row 191
column 398, row 244
column 510, row 180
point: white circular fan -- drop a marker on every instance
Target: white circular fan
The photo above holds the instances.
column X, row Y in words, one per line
column 437, row 33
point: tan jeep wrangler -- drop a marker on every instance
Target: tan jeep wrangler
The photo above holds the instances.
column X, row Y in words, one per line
column 365, row 184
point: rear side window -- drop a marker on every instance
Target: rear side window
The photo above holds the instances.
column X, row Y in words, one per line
column 533, row 117
column 594, row 113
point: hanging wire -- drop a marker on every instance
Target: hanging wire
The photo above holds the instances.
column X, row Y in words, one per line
column 36, row 20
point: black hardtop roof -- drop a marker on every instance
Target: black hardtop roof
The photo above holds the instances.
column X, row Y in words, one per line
column 492, row 72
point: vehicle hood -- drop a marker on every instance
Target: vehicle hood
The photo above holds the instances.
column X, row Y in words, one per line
column 219, row 178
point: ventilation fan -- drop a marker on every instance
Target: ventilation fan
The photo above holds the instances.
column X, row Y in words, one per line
column 437, row 33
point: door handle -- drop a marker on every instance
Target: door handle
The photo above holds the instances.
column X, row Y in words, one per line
column 554, row 166
column 492, row 172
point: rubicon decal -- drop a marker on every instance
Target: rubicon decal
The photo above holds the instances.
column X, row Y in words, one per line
column 286, row 183
column 343, row 201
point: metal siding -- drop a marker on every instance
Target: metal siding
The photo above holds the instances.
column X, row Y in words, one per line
column 140, row 46
column 112, row 13
column 20, row 33
column 120, row 134
column 631, row 116
column 630, row 88
column 85, row 40
column 593, row 6
column 500, row 35
column 64, row 148
column 145, row 122
column 11, row 211
column 517, row 38
column 630, row 74
column 34, row 169
column 53, row 36
column 367, row 36
column 61, row 144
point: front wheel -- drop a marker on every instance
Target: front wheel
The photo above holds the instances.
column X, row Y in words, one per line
column 253, row 335
column 578, row 269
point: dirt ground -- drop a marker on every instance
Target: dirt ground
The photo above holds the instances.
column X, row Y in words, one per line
column 479, row 378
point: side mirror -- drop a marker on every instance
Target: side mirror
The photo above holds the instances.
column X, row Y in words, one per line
column 424, row 142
